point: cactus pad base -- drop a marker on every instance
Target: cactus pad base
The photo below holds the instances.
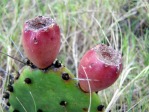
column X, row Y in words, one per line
column 54, row 90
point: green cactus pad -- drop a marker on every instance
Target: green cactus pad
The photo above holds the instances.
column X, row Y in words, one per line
column 38, row 91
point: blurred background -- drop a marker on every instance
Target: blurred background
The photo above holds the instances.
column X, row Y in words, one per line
column 122, row 24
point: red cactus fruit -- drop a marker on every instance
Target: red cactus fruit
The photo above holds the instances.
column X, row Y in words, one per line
column 99, row 68
column 41, row 41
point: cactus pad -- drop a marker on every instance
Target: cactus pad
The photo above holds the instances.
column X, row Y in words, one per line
column 54, row 90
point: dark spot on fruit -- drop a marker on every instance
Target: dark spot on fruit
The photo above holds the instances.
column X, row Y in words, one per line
column 28, row 81
column 10, row 88
column 63, row 103
column 57, row 64
column 15, row 111
column 8, row 104
column 39, row 110
column 85, row 109
column 6, row 95
column 100, row 107
column 65, row 76
column 35, row 40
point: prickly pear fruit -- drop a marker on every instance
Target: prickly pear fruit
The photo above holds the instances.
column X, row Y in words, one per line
column 99, row 67
column 53, row 90
column 41, row 41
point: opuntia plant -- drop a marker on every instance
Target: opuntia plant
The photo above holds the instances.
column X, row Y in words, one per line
column 54, row 90
column 48, row 86
column 100, row 66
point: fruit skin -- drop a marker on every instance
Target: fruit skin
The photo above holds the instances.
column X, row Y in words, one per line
column 41, row 44
column 100, row 74
column 50, row 92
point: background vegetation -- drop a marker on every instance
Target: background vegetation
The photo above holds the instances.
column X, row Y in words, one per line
column 123, row 24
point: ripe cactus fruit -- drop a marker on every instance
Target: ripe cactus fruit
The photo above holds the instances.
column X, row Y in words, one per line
column 101, row 65
column 53, row 90
column 41, row 41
